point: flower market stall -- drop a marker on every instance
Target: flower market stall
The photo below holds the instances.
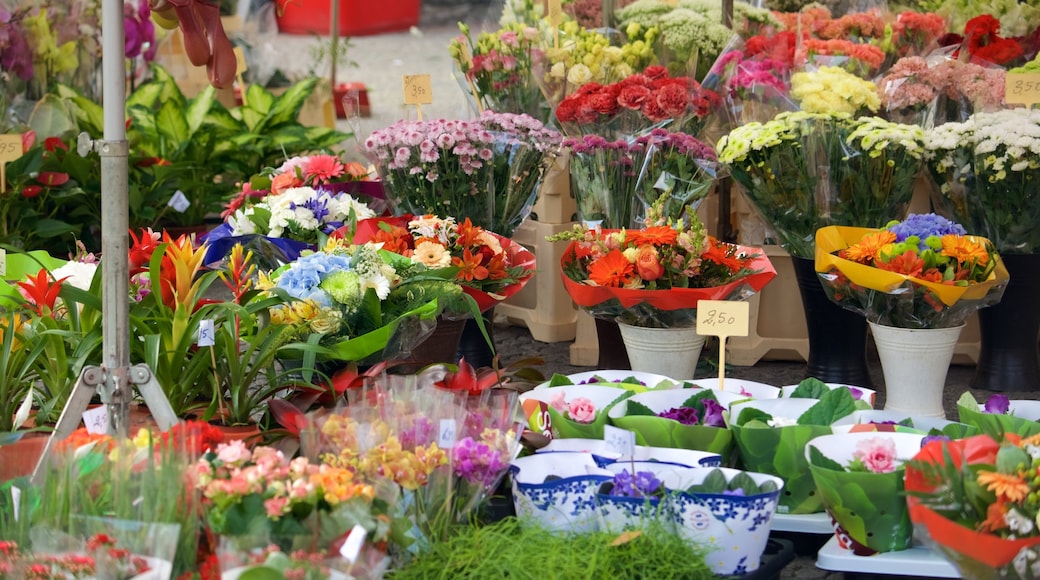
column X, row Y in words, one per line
column 234, row 345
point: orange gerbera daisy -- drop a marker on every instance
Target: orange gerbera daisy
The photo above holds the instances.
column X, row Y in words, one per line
column 994, row 517
column 720, row 254
column 965, row 250
column 470, row 267
column 1010, row 487
column 868, row 248
column 653, row 235
column 612, row 270
column 908, row 263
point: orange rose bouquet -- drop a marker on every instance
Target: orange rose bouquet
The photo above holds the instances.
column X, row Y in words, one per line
column 655, row 276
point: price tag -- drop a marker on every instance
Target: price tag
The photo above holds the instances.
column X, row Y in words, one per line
column 351, row 547
column 179, row 202
column 723, row 318
column 10, row 149
column 240, row 61
column 206, row 332
column 446, row 435
column 3, row 262
column 16, row 500
column 555, row 16
column 96, row 420
column 538, row 419
column 417, row 90
column 621, row 441
column 1022, row 88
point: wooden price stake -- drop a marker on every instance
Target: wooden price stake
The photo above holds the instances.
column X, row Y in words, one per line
column 555, row 18
column 1022, row 89
column 723, row 318
column 417, row 91
column 241, row 67
column 10, row 149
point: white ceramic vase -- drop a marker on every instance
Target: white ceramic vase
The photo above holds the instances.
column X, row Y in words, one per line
column 915, row 362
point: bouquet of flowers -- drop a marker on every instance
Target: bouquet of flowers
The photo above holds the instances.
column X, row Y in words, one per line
column 855, row 59
column 859, row 477
column 986, row 167
column 654, row 277
column 923, row 272
column 970, row 498
column 916, row 33
column 357, row 301
column 678, row 171
column 488, row 267
column 933, row 90
column 498, row 69
column 804, row 171
column 753, row 87
column 833, row 90
column 688, row 37
column 771, row 436
column 485, row 169
column 603, row 179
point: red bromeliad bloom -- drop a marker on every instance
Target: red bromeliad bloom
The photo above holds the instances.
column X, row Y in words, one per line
column 141, row 250
column 239, row 275
column 40, row 292
column 180, row 265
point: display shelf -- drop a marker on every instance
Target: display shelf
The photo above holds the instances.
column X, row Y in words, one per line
column 803, row 523
column 917, row 561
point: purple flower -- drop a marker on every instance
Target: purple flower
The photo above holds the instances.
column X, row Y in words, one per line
column 856, row 393
column 997, row 404
column 713, row 413
column 929, row 438
column 924, row 226
column 684, row 415
column 477, row 462
column 419, row 434
column 642, row 484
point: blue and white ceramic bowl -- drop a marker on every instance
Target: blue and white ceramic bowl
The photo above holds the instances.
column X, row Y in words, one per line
column 558, row 490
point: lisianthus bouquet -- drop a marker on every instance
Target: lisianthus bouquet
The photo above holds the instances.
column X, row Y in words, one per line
column 635, row 105
column 771, row 436
column 803, row 171
column 356, row 301
column 986, row 167
column 654, row 277
column 831, row 89
column 498, row 69
column 487, row 266
column 678, row 171
column 922, row 272
column 970, row 499
column 859, row 477
column 679, row 418
column 998, row 416
column 631, row 500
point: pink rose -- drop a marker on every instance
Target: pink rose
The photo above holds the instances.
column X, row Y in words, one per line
column 233, row 453
column 581, row 410
column 648, row 263
column 878, row 454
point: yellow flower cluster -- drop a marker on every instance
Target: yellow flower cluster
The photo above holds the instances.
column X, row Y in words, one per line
column 337, row 485
column 585, row 56
column 834, row 90
column 409, row 469
column 308, row 316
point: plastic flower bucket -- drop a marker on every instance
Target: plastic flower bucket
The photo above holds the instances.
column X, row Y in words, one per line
column 557, row 490
column 618, row 513
column 869, row 508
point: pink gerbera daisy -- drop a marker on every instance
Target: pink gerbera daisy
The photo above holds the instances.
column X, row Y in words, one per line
column 323, row 168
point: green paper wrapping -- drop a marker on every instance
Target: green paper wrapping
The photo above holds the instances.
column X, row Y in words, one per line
column 996, row 425
column 662, row 432
column 372, row 343
column 780, row 451
column 870, row 507
column 564, row 428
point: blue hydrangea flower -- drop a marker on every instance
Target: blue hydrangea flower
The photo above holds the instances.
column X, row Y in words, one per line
column 923, row 226
column 303, row 278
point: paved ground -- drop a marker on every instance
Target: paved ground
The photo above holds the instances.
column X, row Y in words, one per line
column 381, row 61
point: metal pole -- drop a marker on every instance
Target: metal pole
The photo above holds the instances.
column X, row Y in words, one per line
column 334, row 45
column 115, row 221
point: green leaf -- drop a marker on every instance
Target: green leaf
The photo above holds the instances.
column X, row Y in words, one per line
column 261, row 573
column 833, row 405
column 52, row 228
column 810, row 388
column 752, row 414
column 50, row 117
column 558, row 380
column 173, row 126
column 817, row 458
column 743, row 482
column 967, row 401
column 635, row 408
column 714, row 482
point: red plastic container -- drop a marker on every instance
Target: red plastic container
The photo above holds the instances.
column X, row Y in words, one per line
column 356, row 17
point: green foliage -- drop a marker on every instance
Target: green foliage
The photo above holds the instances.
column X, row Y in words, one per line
column 833, row 405
column 507, row 549
column 715, row 483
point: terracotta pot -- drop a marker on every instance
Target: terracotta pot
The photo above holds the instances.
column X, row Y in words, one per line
column 249, row 434
column 20, row 458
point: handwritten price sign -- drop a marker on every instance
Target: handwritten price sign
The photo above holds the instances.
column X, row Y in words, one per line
column 555, row 15
column 1022, row 88
column 417, row 90
column 722, row 318
column 10, row 149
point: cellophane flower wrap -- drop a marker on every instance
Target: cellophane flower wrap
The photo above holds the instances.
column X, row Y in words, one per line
column 359, row 302
column 859, row 477
column 831, row 89
column 677, row 172
column 523, row 150
column 922, row 272
column 752, row 87
column 603, row 179
column 986, row 168
column 771, row 436
column 804, row 171
column 935, row 89
column 995, row 417
column 445, row 453
column 482, row 264
column 970, row 499
column 497, row 69
column 654, row 277
column 292, row 207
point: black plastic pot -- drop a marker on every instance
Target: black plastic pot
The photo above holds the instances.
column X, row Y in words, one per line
column 1009, row 359
column 612, row 352
column 472, row 344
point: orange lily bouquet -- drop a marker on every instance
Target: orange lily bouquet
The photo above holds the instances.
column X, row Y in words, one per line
column 655, row 276
column 976, row 500
column 923, row 272
column 488, row 267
